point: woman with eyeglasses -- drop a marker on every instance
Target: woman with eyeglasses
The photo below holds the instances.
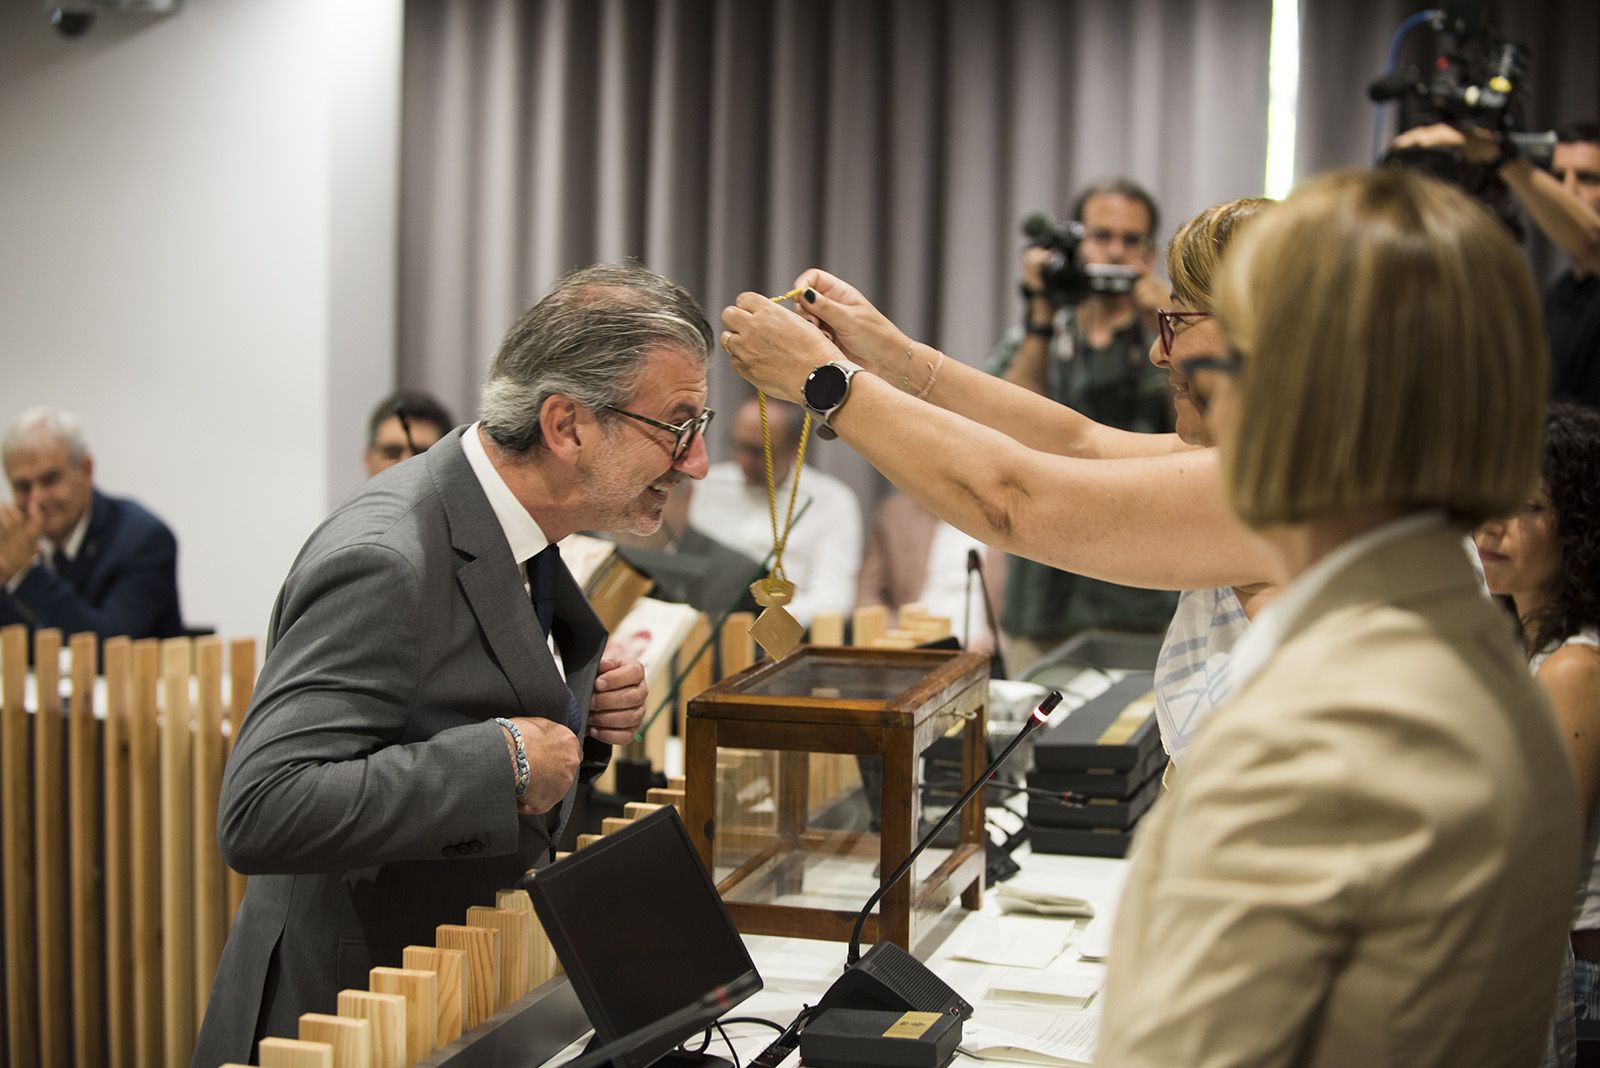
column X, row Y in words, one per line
column 1367, row 854
column 1545, row 559
column 1368, row 857
column 1132, row 508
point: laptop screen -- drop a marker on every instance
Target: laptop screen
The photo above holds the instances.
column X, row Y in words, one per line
column 641, row 932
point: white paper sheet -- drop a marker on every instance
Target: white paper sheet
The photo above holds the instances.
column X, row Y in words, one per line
column 1015, row 942
column 1032, row 1037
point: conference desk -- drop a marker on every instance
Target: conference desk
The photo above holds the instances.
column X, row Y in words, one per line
column 796, row 972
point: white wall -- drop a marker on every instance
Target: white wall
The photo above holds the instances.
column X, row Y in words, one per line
column 197, row 255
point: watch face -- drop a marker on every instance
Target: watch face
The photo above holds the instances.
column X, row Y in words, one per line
column 825, row 388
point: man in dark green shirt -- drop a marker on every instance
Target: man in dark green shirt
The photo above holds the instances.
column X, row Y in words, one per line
column 1092, row 356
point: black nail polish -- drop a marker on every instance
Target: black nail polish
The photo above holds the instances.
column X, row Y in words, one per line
column 810, row 295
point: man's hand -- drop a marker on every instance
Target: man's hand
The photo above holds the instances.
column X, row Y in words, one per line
column 1034, row 260
column 617, row 707
column 1150, row 295
column 19, row 542
column 1477, row 146
column 553, row 758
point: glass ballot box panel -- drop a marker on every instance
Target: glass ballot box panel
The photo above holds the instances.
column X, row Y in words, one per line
column 808, row 778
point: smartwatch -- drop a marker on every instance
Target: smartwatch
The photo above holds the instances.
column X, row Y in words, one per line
column 825, row 392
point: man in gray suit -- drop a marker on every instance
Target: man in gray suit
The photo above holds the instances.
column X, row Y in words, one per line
column 413, row 745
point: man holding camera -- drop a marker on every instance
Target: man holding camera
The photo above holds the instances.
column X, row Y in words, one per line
column 1564, row 203
column 1090, row 351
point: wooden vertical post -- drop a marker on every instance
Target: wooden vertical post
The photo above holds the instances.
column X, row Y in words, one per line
column 738, row 649
column 83, row 844
column 144, row 850
column 177, row 851
column 210, row 888
column 450, row 965
column 869, row 624
column 241, row 686
column 421, row 991
column 16, row 851
column 50, row 845
column 513, row 928
column 827, row 628
column 295, row 1053
column 118, row 876
column 388, row 1015
column 519, row 902
column 699, row 676
column 351, row 1039
column 482, row 947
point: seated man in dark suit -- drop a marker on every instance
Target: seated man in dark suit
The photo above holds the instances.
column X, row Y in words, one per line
column 72, row 557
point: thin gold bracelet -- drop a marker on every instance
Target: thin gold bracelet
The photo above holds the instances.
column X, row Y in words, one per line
column 905, row 375
column 928, row 388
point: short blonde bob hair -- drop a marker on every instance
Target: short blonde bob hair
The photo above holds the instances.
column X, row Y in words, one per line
column 1394, row 354
column 1197, row 247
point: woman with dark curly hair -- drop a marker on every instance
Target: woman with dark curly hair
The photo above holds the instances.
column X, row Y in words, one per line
column 1546, row 559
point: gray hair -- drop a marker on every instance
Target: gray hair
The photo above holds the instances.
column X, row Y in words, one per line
column 586, row 339
column 54, row 423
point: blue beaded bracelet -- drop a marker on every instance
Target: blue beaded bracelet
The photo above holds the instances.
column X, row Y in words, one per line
column 523, row 774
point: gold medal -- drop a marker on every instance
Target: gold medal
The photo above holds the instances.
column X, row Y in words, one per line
column 776, row 631
column 772, row 592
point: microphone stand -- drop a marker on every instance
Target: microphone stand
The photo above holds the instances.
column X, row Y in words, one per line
column 1034, row 722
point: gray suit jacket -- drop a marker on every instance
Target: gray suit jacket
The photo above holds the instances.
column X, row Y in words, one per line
column 369, row 794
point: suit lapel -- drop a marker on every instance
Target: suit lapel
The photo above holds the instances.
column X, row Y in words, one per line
column 81, row 569
column 492, row 584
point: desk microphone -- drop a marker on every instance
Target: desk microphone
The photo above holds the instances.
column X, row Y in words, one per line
column 886, row 976
column 997, row 662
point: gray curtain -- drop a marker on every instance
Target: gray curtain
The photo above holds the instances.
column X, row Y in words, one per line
column 730, row 144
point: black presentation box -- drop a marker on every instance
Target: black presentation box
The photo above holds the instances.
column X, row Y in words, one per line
column 1115, row 731
column 853, row 1038
column 1119, row 814
column 1117, row 785
column 1096, row 842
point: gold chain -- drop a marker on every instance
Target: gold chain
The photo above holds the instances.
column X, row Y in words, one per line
column 780, row 541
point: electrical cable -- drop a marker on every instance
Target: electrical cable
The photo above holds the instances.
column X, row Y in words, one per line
column 778, row 1027
column 1407, row 24
column 729, row 1043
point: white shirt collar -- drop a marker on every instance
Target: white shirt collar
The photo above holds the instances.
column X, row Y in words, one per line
column 74, row 543
column 1269, row 629
column 523, row 534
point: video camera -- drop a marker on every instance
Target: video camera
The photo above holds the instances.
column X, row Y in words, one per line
column 1066, row 281
column 1475, row 80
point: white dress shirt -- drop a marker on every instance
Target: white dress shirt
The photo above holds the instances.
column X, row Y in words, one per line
column 525, row 536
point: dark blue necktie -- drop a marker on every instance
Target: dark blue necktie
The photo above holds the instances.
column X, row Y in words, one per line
column 542, row 578
column 542, row 572
column 59, row 561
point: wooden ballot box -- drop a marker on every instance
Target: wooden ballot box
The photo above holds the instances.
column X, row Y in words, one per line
column 806, row 782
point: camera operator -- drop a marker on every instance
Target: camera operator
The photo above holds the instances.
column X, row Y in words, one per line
column 1088, row 350
column 1565, row 205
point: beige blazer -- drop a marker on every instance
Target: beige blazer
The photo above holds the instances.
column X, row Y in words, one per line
column 1370, row 856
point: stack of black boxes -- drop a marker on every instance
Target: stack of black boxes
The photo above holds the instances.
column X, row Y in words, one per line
column 1108, row 755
